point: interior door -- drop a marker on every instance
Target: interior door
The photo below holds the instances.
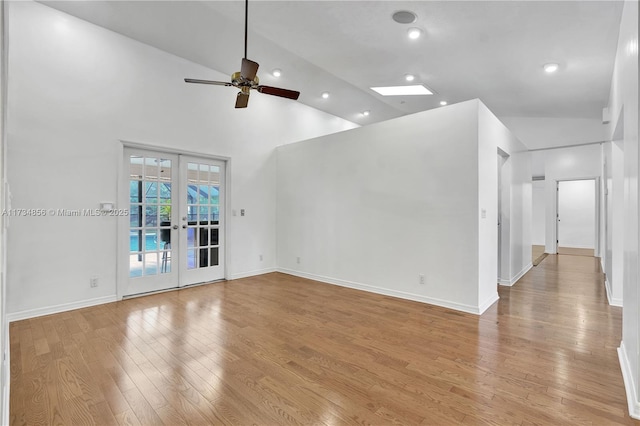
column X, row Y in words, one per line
column 576, row 217
column 201, row 220
column 153, row 218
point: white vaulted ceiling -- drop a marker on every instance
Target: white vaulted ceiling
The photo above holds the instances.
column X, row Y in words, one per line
column 492, row 50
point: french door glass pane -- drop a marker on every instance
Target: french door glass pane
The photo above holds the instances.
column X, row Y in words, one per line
column 150, row 216
column 203, row 188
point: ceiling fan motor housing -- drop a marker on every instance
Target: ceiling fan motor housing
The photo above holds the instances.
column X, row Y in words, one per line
column 238, row 80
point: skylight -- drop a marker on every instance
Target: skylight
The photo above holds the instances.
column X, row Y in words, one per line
column 417, row 89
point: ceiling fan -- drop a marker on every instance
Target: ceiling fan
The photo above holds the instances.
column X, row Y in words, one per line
column 246, row 79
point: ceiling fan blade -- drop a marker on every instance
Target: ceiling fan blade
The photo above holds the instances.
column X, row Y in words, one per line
column 242, row 100
column 249, row 69
column 276, row 91
column 215, row 83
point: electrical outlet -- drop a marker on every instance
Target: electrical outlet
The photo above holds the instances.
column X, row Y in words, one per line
column 241, row 212
column 93, row 282
column 260, row 258
column 298, row 260
column 421, row 279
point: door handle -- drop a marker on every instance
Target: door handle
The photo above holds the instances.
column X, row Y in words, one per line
column 175, row 226
column 183, row 226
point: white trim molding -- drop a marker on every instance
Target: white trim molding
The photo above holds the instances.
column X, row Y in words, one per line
column 32, row 313
column 612, row 300
column 515, row 279
column 488, row 303
column 477, row 310
column 252, row 273
column 629, row 383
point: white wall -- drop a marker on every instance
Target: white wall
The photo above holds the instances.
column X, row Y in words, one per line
column 613, row 238
column 490, row 134
column 516, row 196
column 578, row 162
column 521, row 207
column 618, row 230
column 623, row 105
column 547, row 132
column 538, row 216
column 4, row 325
column 75, row 91
column 375, row 207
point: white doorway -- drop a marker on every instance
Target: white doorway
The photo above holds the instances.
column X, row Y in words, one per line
column 504, row 186
column 175, row 229
column 576, row 217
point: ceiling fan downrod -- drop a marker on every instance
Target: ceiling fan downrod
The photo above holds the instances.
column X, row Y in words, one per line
column 246, row 25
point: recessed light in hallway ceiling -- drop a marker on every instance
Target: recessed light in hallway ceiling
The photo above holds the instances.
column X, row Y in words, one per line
column 414, row 33
column 551, row 68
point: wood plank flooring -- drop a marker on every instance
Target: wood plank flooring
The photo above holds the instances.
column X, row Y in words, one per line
column 576, row 251
column 536, row 252
column 277, row 349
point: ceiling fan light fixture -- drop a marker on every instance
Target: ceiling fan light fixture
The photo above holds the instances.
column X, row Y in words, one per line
column 325, row 95
column 551, row 68
column 276, row 72
column 409, row 77
column 414, row 33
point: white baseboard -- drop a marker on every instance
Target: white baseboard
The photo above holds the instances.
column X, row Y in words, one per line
column 629, row 383
column 612, row 300
column 488, row 303
column 32, row 313
column 252, row 273
column 387, row 292
column 515, row 279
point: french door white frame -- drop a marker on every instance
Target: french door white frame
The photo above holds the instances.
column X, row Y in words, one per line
column 122, row 240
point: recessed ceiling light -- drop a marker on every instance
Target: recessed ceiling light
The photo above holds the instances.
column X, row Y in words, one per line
column 409, row 77
column 417, row 89
column 325, row 95
column 443, row 103
column 414, row 33
column 276, row 73
column 550, row 67
column 404, row 17
column 365, row 113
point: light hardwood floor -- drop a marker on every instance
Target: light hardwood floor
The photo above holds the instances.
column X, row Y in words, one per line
column 277, row 349
column 536, row 252
column 576, row 251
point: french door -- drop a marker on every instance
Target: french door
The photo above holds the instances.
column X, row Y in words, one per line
column 176, row 213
